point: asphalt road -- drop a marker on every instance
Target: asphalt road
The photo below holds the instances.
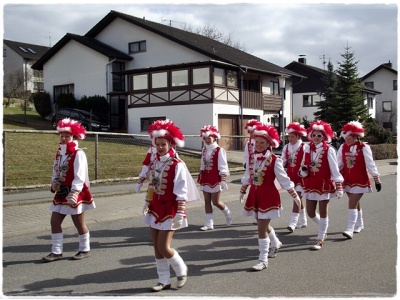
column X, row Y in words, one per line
column 219, row 261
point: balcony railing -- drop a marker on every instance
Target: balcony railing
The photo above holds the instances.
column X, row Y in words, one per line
column 256, row 100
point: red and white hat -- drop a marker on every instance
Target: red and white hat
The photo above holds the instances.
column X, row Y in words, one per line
column 324, row 128
column 353, row 128
column 209, row 130
column 250, row 125
column 296, row 128
column 166, row 129
column 73, row 127
column 267, row 132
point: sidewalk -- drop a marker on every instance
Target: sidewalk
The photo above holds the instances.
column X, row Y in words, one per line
column 28, row 212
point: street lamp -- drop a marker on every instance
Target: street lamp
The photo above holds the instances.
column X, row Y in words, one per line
column 282, row 83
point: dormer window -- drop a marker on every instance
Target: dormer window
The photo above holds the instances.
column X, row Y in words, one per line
column 23, row 49
column 136, row 47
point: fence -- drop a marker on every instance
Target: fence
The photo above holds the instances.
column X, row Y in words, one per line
column 29, row 154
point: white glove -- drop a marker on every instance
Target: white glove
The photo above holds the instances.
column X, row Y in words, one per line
column 177, row 222
column 145, row 207
column 138, row 186
column 72, row 198
column 339, row 190
column 224, row 185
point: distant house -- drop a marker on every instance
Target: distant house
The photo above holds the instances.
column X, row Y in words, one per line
column 384, row 79
column 306, row 91
column 18, row 59
column 150, row 71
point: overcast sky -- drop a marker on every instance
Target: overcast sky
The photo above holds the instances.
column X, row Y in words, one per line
column 277, row 33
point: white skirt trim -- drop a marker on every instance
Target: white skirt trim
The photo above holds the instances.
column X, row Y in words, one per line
column 357, row 189
column 318, row 197
column 272, row 214
column 68, row 210
column 166, row 225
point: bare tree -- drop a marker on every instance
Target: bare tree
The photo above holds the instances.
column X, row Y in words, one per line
column 212, row 32
column 13, row 87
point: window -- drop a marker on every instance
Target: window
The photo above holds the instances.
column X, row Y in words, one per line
column 387, row 106
column 370, row 102
column 159, row 80
column 180, row 78
column 31, row 51
column 23, row 49
column 63, row 89
column 201, row 76
column 219, row 76
column 140, row 82
column 118, row 80
column 395, row 85
column 137, row 47
column 146, row 122
column 274, row 87
column 251, row 85
column 311, row 100
column 387, row 125
column 232, row 78
column 369, row 84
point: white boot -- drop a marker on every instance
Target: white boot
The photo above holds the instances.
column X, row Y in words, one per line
column 84, row 242
column 164, row 275
column 228, row 216
column 294, row 217
column 275, row 244
column 57, row 240
column 263, row 245
column 209, row 223
column 351, row 221
column 180, row 269
column 323, row 228
column 302, row 223
column 359, row 223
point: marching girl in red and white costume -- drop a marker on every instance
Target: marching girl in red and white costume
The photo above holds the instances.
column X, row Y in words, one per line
column 212, row 178
column 70, row 183
column 264, row 200
column 292, row 154
column 355, row 159
column 249, row 146
column 322, row 179
column 171, row 186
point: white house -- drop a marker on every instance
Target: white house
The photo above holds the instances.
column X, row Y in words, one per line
column 306, row 91
column 384, row 79
column 150, row 71
column 18, row 59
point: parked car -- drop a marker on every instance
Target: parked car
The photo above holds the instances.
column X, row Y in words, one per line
column 90, row 121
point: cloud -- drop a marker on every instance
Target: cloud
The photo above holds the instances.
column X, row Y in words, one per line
column 274, row 32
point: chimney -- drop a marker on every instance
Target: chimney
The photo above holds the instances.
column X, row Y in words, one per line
column 389, row 64
column 302, row 59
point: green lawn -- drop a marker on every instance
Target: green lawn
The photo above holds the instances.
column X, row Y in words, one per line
column 29, row 156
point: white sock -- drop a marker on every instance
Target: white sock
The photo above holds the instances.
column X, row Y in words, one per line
column 57, row 243
column 351, row 219
column 263, row 246
column 303, row 217
column 84, row 242
column 316, row 219
column 163, row 271
column 323, row 228
column 209, row 222
column 177, row 264
column 294, row 217
column 360, row 221
column 272, row 236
